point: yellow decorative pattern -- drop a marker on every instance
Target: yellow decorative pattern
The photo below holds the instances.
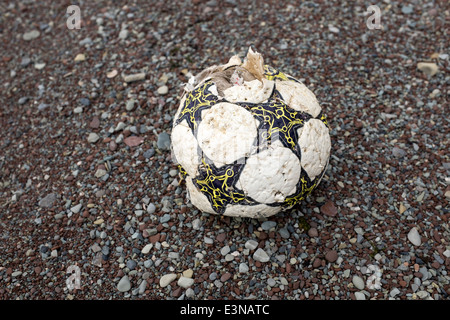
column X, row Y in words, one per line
column 196, row 101
column 217, row 184
column 304, row 189
column 273, row 74
column 277, row 119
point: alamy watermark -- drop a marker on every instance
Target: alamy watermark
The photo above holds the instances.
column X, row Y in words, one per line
column 374, row 21
column 74, row 20
column 74, row 280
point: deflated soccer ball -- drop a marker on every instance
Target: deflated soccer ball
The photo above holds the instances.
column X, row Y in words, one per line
column 249, row 140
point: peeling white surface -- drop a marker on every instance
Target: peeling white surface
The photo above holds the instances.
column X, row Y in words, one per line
column 253, row 91
column 234, row 61
column 298, row 97
column 256, row 211
column 213, row 90
column 315, row 145
column 184, row 147
column 271, row 175
column 226, row 133
column 198, row 199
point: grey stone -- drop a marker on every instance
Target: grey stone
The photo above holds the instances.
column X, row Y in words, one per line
column 394, row 292
column 151, row 208
column 96, row 248
column 123, row 34
column 196, row 224
column 48, row 201
column 167, row 279
column 414, row 237
column 163, row 90
column 165, row 218
column 134, row 77
column 31, row 35
column 251, row 244
column 407, row 9
column 185, row 282
column 267, row 225
column 25, row 61
column 173, row 255
column 163, row 142
column 149, row 153
column 225, row 250
column 16, row 274
column 76, row 209
column 78, row 110
column 23, row 100
column 229, row 257
column 261, row 256
column 360, row 296
column 131, row 264
column 190, row 293
column 130, row 105
column 42, row 106
column 358, row 282
column 398, row 153
column 93, row 137
column 243, row 268
column 284, row 233
column 142, row 287
column 213, row 276
column 124, row 284
column 85, row 102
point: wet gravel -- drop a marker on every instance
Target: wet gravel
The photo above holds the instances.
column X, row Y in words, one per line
column 86, row 177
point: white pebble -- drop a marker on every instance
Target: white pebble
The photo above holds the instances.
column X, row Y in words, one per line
column 93, row 137
column 147, row 248
column 78, row 110
column 251, row 244
column 358, row 282
column 414, row 237
column 185, row 282
column 261, row 256
column 167, row 279
column 163, row 90
column 360, row 296
column 243, row 268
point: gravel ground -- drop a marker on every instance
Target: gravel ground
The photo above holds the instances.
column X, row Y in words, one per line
column 87, row 181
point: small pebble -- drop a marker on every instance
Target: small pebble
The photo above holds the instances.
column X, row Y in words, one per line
column 130, row 105
column 331, row 256
column 185, row 282
column 93, row 137
column 414, row 237
column 123, row 34
column 251, row 244
column 166, row 279
column 163, row 142
column 124, row 284
column 163, row 90
column 243, row 268
column 429, row 68
column 79, row 57
column 360, row 296
column 134, row 77
column 267, row 225
column 261, row 256
column 31, row 35
column 358, row 282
